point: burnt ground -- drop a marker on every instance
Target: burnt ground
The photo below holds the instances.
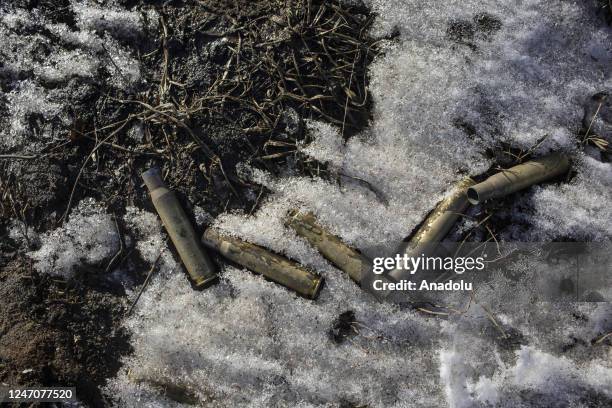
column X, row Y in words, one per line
column 226, row 82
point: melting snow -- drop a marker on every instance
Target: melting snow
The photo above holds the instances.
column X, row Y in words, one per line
column 39, row 71
column 87, row 238
column 463, row 77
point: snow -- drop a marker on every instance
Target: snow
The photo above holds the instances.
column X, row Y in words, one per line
column 146, row 231
column 258, row 345
column 86, row 239
column 121, row 23
column 41, row 59
column 24, row 101
column 589, row 216
column 535, row 374
column 542, row 373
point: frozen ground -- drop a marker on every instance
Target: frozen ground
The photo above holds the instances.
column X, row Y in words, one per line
column 462, row 78
column 43, row 78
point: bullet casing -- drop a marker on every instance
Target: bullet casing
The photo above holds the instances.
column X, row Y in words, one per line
column 181, row 232
column 264, row 262
column 519, row 177
column 330, row 246
column 436, row 226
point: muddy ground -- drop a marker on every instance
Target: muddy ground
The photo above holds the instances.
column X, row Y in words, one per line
column 224, row 82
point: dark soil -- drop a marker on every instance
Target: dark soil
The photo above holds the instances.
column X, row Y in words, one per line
column 483, row 26
column 342, row 328
column 227, row 82
column 58, row 333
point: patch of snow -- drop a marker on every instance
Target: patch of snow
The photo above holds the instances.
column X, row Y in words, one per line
column 553, row 378
column 25, row 100
column 87, row 238
column 151, row 242
column 256, row 344
column 42, row 59
column 583, row 205
column 120, row 23
column 136, row 132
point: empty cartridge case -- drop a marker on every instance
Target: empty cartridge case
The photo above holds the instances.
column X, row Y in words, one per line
column 519, row 177
column 330, row 246
column 181, row 232
column 264, row 262
column 436, row 226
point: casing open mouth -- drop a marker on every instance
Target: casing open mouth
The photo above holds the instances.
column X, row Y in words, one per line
column 472, row 196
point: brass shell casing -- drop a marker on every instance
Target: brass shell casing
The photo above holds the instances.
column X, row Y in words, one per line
column 519, row 177
column 257, row 259
column 181, row 232
column 330, row 246
column 436, row 226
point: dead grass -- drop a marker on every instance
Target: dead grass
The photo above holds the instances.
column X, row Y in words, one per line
column 306, row 57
